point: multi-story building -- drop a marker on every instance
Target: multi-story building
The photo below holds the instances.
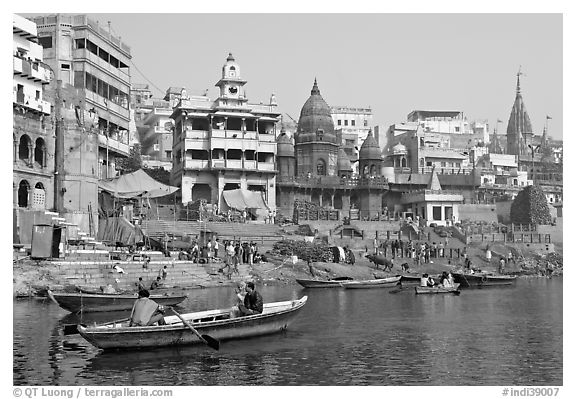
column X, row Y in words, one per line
column 87, row 56
column 155, row 127
column 33, row 132
column 225, row 144
column 352, row 126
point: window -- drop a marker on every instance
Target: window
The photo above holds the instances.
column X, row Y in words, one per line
column 81, row 43
column 353, row 122
column 321, row 167
column 457, row 129
column 365, row 123
column 65, row 66
column 45, row 41
column 37, row 94
column 346, row 122
column 339, row 122
column 437, row 213
column 443, row 164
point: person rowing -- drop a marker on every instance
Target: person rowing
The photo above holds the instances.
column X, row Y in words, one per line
column 146, row 312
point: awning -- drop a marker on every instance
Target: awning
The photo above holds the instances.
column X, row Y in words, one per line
column 136, row 184
column 242, row 199
column 267, row 118
column 198, row 114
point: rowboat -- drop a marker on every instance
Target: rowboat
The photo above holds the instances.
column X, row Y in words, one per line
column 80, row 302
column 275, row 317
column 314, row 283
column 374, row 283
column 479, row 280
column 438, row 290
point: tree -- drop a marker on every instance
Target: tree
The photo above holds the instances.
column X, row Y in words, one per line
column 530, row 207
column 134, row 160
column 159, row 174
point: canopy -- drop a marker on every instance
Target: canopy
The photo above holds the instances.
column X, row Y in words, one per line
column 242, row 199
column 136, row 184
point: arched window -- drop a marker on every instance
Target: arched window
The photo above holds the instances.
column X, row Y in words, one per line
column 365, row 170
column 373, row 170
column 321, row 167
column 23, row 189
column 421, row 162
column 40, row 152
column 403, row 162
column 24, row 147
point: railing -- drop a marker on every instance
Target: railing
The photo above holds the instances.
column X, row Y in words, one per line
column 31, row 69
column 31, row 102
column 113, row 144
column 196, row 134
column 196, row 164
column 333, row 181
column 268, row 166
column 250, row 165
column 95, row 59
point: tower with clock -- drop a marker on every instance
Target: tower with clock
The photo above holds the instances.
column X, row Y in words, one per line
column 232, row 93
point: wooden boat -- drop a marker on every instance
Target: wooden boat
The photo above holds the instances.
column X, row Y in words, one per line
column 276, row 317
column 438, row 290
column 80, row 302
column 314, row 283
column 479, row 280
column 375, row 283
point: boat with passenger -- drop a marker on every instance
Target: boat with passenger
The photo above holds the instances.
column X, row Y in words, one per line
column 189, row 328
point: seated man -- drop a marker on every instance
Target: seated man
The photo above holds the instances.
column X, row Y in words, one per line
column 430, row 282
column 424, row 280
column 145, row 311
column 156, row 283
column 253, row 302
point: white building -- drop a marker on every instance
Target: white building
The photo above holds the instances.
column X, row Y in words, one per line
column 226, row 144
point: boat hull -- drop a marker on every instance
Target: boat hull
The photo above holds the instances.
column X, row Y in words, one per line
column 80, row 302
column 375, row 283
column 482, row 280
column 175, row 333
column 436, row 290
column 311, row 283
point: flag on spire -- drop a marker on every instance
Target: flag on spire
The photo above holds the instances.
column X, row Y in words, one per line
column 548, row 117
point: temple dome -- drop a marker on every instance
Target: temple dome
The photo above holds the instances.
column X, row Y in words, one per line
column 343, row 161
column 399, row 149
column 285, row 148
column 370, row 149
column 315, row 123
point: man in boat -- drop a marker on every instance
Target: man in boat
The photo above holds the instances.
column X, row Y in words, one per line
column 424, row 280
column 140, row 284
column 145, row 311
column 240, row 294
column 156, row 283
column 253, row 302
column 430, row 282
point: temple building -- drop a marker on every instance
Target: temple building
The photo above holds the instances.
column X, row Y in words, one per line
column 316, row 168
column 519, row 131
column 224, row 151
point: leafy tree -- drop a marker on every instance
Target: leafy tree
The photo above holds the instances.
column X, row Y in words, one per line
column 159, row 174
column 530, row 207
column 134, row 160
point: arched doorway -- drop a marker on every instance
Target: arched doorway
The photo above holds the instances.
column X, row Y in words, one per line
column 24, row 148
column 321, row 167
column 338, row 201
column 202, row 191
column 40, row 152
column 23, row 190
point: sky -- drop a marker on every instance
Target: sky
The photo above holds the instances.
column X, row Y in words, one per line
column 393, row 63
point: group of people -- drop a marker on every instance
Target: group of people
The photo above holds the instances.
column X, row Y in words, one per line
column 156, row 284
column 446, row 280
column 147, row 312
column 420, row 253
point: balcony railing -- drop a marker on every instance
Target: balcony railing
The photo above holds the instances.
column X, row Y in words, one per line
column 268, row 166
column 113, row 145
column 31, row 102
column 251, row 165
column 196, row 164
column 31, row 69
column 333, row 182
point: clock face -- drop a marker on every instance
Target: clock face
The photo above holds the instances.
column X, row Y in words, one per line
column 233, row 90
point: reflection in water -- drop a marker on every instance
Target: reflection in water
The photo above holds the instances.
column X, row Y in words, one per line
column 509, row 336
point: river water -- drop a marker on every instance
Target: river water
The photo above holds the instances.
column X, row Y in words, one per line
column 495, row 336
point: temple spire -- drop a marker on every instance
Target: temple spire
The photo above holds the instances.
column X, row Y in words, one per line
column 518, row 80
column 315, row 89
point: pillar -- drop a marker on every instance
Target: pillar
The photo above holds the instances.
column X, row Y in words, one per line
column 30, row 153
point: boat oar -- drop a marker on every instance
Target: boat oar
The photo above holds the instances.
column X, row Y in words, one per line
column 208, row 340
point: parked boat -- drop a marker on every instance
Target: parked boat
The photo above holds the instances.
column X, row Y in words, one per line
column 438, row 290
column 374, row 283
column 315, row 283
column 81, row 302
column 479, row 280
column 275, row 317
